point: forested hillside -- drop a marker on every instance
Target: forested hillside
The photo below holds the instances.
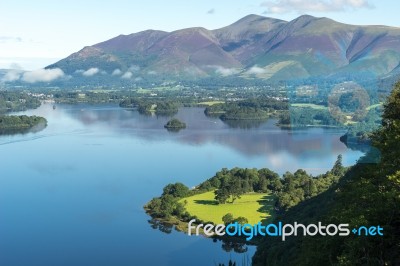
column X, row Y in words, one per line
column 367, row 195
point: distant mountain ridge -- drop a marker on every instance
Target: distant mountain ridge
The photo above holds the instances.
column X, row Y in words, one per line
column 253, row 47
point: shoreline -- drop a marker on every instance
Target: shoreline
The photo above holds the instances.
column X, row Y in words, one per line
column 182, row 226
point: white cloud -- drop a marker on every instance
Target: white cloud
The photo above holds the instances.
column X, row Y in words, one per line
column 116, row 72
column 151, row 72
column 15, row 66
column 79, row 71
column 11, row 76
column 91, row 71
column 255, row 70
column 42, row 75
column 10, row 39
column 304, row 6
column 211, row 11
column 138, row 79
column 225, row 71
column 127, row 75
column 134, row 68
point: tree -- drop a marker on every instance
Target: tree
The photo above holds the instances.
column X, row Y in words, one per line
column 167, row 205
column 227, row 218
column 231, row 188
column 241, row 220
column 177, row 190
column 221, row 195
column 235, row 190
column 338, row 169
column 155, row 205
column 179, row 209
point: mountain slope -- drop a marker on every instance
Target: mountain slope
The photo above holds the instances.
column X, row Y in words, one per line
column 252, row 47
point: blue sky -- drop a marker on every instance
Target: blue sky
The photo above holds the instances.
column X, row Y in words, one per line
column 36, row 33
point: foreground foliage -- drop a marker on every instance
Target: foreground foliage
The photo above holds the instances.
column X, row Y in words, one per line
column 368, row 195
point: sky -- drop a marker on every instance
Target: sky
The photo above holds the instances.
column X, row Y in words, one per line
column 34, row 34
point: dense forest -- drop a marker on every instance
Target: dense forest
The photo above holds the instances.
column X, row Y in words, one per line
column 367, row 195
column 297, row 117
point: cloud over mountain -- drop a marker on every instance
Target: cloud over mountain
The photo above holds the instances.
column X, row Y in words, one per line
column 306, row 6
column 11, row 75
column 127, row 75
column 255, row 70
column 90, row 72
column 116, row 72
column 42, row 75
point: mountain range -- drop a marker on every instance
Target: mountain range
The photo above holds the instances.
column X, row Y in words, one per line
column 253, row 47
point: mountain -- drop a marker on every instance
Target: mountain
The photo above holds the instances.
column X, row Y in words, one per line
column 253, row 47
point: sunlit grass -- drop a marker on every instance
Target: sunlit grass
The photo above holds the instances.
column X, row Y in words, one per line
column 309, row 105
column 210, row 103
column 256, row 207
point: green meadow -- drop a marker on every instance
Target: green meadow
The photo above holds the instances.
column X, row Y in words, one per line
column 256, row 207
column 310, row 105
column 210, row 103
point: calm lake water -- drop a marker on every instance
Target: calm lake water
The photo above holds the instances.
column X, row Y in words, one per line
column 73, row 193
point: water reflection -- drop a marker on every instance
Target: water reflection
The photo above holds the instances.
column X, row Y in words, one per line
column 161, row 226
column 265, row 136
column 174, row 130
column 22, row 131
column 237, row 245
column 229, row 246
column 87, row 175
column 312, row 149
column 244, row 124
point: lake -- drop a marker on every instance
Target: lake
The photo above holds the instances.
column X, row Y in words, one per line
column 73, row 194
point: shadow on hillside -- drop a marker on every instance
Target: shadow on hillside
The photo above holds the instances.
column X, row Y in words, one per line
column 206, row 202
column 267, row 207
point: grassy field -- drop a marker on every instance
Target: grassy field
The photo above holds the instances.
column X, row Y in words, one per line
column 321, row 107
column 209, row 103
column 310, row 105
column 256, row 207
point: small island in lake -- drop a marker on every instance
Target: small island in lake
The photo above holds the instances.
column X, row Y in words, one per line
column 19, row 124
column 175, row 124
column 260, row 108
